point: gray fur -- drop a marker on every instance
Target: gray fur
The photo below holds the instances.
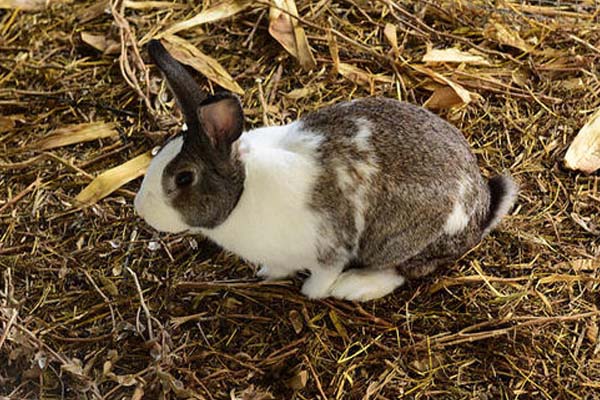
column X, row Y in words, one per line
column 421, row 159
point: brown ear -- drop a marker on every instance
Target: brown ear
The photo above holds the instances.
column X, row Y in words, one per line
column 222, row 119
column 185, row 89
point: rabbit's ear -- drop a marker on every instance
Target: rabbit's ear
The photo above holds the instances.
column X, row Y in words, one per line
column 222, row 119
column 187, row 92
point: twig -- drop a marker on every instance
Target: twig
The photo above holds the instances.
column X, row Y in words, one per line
column 464, row 336
column 127, row 38
column 373, row 318
column 142, row 302
column 248, row 42
column 186, row 285
column 41, row 344
column 263, row 103
column 106, row 299
column 68, row 164
column 80, row 339
column 315, row 377
column 19, row 196
column 21, row 164
column 516, row 92
column 9, row 324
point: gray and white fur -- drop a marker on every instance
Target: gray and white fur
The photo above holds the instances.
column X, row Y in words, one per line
column 362, row 194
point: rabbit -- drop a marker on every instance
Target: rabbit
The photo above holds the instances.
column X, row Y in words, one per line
column 363, row 194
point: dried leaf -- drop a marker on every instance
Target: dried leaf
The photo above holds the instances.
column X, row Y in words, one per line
column 503, row 35
column 296, row 320
column 300, row 93
column 572, row 84
column 112, row 179
column 222, row 10
column 453, row 55
column 545, row 300
column 426, row 364
column 286, row 30
column 174, row 384
column 443, row 97
column 78, row 133
column 94, row 11
column 107, row 367
column 75, row 368
column 186, row 53
column 339, row 327
column 553, row 10
column 144, row 5
column 298, row 381
column 592, row 332
column 360, row 76
column 100, row 43
column 138, row 393
column 586, row 264
column 109, row 286
column 553, row 278
column 27, row 5
column 584, row 153
column 123, row 380
column 96, row 41
column 7, row 122
column 461, row 92
column 333, row 51
column 392, row 37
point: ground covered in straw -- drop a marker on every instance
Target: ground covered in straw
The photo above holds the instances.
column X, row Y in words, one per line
column 94, row 304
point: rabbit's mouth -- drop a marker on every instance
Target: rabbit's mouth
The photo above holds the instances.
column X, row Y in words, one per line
column 157, row 214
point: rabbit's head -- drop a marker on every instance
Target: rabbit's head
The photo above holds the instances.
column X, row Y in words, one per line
column 196, row 179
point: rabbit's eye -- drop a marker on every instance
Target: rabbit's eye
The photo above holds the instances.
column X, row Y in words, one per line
column 184, row 178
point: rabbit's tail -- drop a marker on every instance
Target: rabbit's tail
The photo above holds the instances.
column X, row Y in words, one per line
column 503, row 194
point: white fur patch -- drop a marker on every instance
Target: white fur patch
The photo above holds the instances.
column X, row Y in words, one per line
column 362, row 139
column 270, row 274
column 458, row 218
column 343, row 177
column 364, row 285
column 150, row 202
column 318, row 284
column 272, row 224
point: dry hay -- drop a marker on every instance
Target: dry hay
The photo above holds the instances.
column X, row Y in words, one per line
column 94, row 304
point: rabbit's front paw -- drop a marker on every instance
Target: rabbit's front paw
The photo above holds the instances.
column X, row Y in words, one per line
column 364, row 285
column 272, row 274
column 318, row 284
